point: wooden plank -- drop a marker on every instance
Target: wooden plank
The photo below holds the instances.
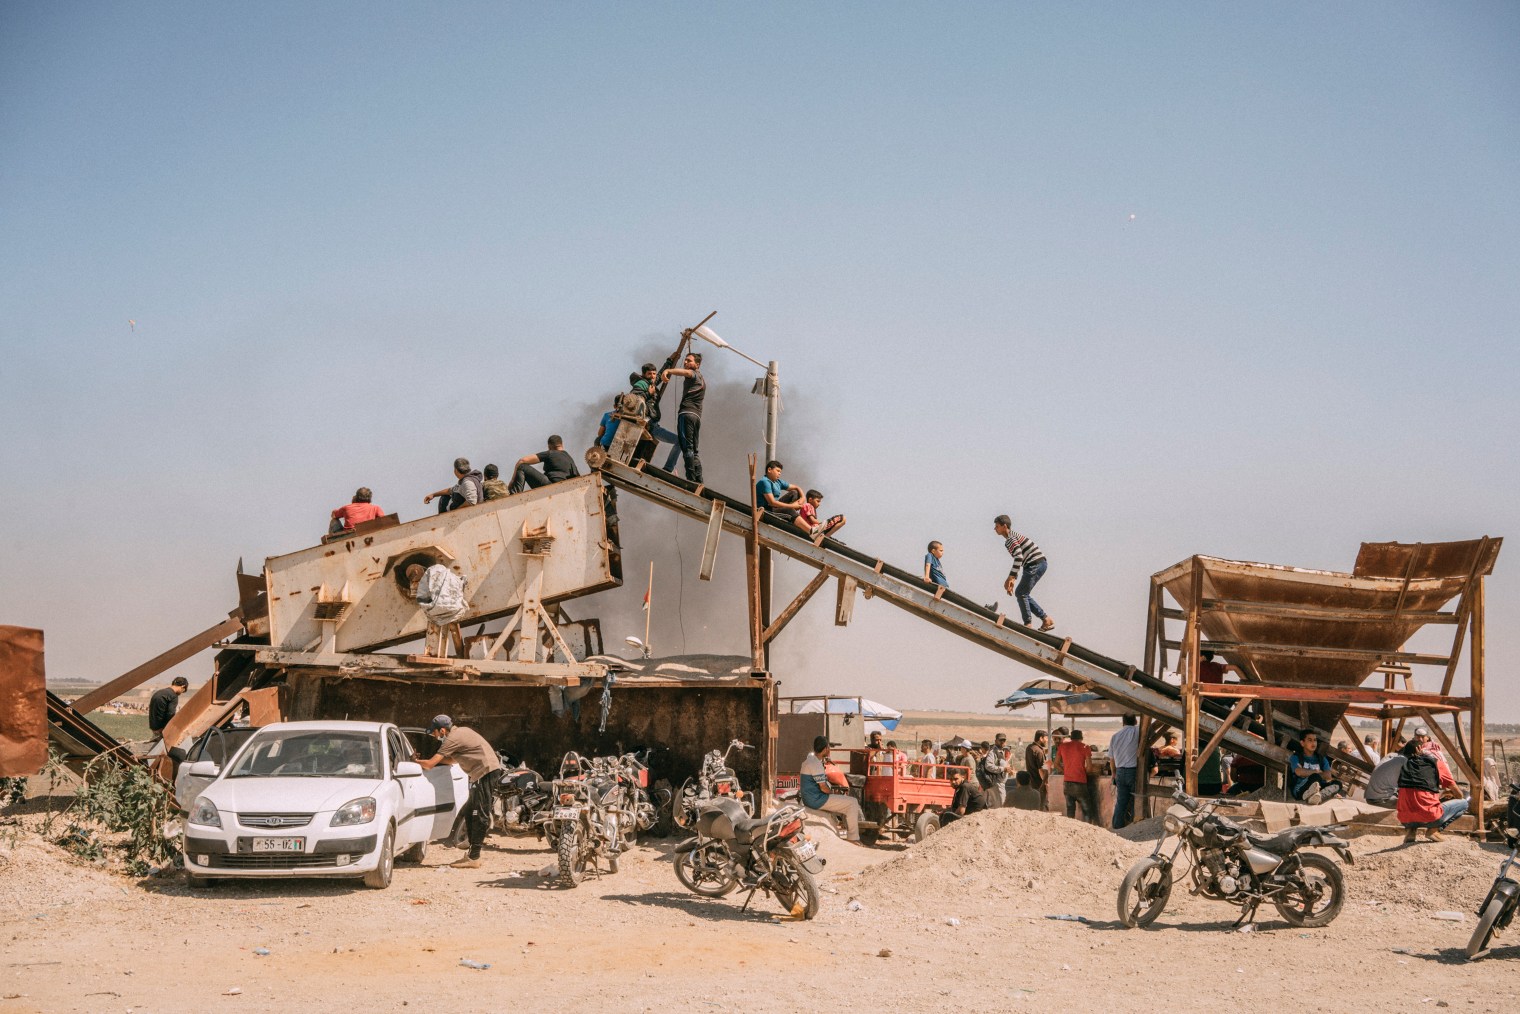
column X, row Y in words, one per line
column 710, row 543
column 1308, row 651
column 752, row 575
column 1464, row 610
column 186, row 649
column 1214, row 741
column 1475, row 687
column 1356, row 741
column 1336, row 695
column 1190, row 683
column 796, row 604
column 844, row 605
column 1452, row 752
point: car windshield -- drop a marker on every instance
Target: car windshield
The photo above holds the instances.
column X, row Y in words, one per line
column 310, row 754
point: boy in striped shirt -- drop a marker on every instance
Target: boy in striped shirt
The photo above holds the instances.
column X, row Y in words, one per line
column 1028, row 558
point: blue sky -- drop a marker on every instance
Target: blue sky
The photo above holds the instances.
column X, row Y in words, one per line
column 359, row 240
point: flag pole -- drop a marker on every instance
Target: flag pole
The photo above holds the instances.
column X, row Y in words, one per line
column 648, row 606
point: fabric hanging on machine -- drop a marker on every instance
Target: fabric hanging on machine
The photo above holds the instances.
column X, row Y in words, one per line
column 606, row 701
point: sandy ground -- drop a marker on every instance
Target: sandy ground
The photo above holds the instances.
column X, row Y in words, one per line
column 960, row 921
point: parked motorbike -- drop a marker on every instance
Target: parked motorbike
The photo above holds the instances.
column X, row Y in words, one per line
column 517, row 806
column 716, row 780
column 731, row 849
column 1499, row 906
column 587, row 816
column 1230, row 863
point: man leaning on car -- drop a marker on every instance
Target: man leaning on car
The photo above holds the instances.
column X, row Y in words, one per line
column 468, row 749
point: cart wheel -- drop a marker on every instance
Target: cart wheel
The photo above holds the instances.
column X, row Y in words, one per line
column 925, row 825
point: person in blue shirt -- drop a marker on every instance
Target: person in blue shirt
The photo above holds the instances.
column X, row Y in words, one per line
column 1309, row 772
column 816, row 794
column 933, row 573
column 779, row 499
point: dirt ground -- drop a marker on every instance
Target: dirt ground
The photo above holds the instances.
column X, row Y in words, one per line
column 958, row 922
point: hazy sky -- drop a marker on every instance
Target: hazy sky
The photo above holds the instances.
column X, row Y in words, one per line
column 1154, row 279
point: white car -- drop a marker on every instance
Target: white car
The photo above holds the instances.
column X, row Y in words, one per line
column 319, row 799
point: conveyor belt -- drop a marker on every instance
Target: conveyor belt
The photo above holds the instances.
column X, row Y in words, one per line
column 1054, row 656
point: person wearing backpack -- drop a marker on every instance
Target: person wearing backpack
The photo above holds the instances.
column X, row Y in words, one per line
column 1422, row 783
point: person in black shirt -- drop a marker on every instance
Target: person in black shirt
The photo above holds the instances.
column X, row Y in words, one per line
column 164, row 704
column 689, row 414
column 558, row 466
column 969, row 798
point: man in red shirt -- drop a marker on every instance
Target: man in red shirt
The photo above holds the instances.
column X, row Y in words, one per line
column 1073, row 755
column 1428, row 795
column 1210, row 671
column 356, row 513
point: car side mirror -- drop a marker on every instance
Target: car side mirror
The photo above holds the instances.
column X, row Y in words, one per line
column 204, row 769
column 408, row 769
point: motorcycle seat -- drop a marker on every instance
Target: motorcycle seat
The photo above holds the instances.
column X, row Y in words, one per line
column 1283, row 842
column 745, row 828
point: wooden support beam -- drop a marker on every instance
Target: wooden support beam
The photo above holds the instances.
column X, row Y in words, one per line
column 710, row 543
column 1475, row 688
column 1464, row 611
column 186, row 649
column 1214, row 741
column 1188, row 663
column 1357, row 742
column 1452, row 752
column 1241, row 607
column 1308, row 651
column 1337, row 695
column 792, row 608
column 752, row 575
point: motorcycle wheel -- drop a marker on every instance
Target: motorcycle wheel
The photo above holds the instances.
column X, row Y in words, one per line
column 1325, row 884
column 571, row 866
column 795, row 888
column 1485, row 931
column 1144, row 892
column 706, row 875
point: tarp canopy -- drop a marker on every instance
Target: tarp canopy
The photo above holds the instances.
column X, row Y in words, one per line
column 875, row 713
column 1062, row 699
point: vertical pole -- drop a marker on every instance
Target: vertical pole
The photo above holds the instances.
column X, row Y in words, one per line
column 772, row 426
column 648, row 611
column 752, row 576
column 1190, row 696
column 1143, row 770
column 1475, row 689
column 1152, row 619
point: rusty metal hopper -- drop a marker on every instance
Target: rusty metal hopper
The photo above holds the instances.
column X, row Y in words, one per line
column 1292, row 627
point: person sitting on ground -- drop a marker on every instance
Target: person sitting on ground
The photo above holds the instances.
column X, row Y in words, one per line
column 1073, row 755
column 1024, row 796
column 778, row 499
column 933, row 572
column 356, row 512
column 1029, row 565
column 969, row 798
column 1383, row 784
column 808, row 521
column 494, row 488
column 466, row 490
column 817, row 791
column 1309, row 772
column 1428, row 796
column 558, row 466
column 1246, row 775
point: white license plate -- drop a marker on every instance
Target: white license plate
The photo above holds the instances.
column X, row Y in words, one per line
column 806, row 851
column 279, row 845
column 569, row 814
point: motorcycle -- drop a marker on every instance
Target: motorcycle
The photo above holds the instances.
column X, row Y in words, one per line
column 716, row 780
column 732, row 849
column 1230, row 863
column 517, row 805
column 586, row 819
column 1499, row 906
column 649, row 805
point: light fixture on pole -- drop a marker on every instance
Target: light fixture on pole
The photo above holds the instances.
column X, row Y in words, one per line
column 768, row 386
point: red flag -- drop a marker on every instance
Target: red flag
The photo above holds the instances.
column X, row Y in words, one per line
column 646, row 601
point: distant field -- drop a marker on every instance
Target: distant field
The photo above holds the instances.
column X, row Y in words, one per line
column 122, row 727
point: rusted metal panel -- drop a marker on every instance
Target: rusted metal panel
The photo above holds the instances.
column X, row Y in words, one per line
column 682, row 723
column 1427, row 559
column 483, row 543
column 23, row 702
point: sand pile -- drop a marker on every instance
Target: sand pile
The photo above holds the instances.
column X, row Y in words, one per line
column 1452, row 875
column 1006, row 853
column 36, row 875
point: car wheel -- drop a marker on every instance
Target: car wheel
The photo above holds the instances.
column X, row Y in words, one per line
column 416, row 854
column 380, row 877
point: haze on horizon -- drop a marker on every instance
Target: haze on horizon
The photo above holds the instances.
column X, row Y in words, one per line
column 1155, row 281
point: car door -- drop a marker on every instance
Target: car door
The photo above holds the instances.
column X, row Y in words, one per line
column 418, row 796
column 451, row 790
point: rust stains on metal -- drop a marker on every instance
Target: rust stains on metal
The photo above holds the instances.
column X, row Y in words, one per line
column 23, row 702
